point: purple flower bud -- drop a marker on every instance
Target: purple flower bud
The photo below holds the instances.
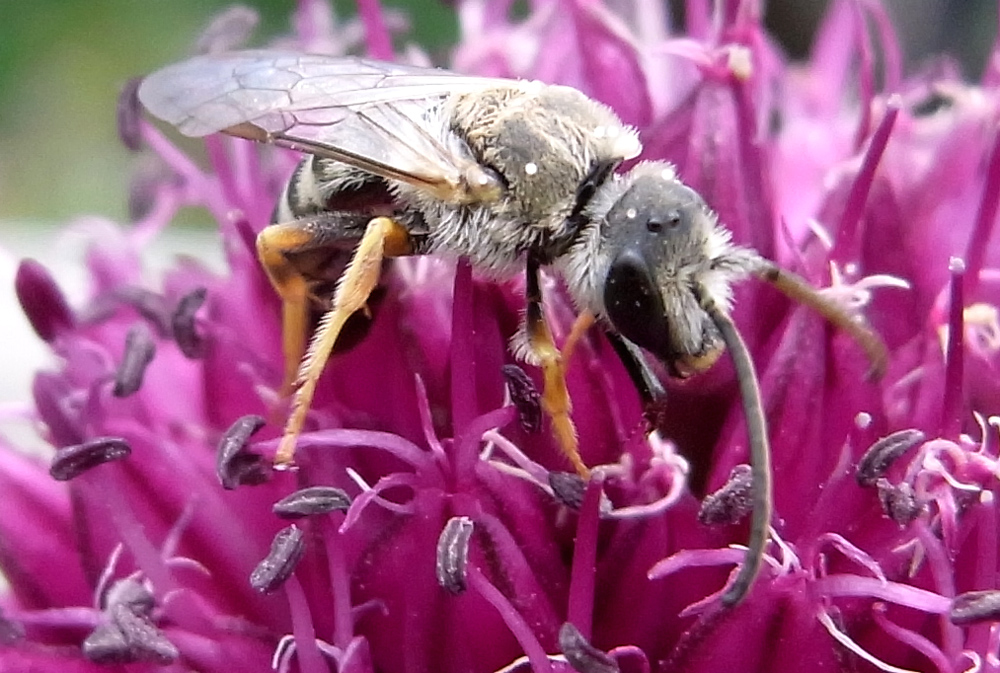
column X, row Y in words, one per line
column 72, row 461
column 287, row 549
column 42, row 301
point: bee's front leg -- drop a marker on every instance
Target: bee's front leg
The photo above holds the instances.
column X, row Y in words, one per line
column 383, row 237
column 544, row 353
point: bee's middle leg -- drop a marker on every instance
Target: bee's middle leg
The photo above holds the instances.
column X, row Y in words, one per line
column 383, row 237
column 555, row 398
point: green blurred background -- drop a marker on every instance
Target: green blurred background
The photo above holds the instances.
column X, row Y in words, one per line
column 63, row 61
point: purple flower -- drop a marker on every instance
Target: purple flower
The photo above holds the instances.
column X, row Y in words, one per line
column 435, row 527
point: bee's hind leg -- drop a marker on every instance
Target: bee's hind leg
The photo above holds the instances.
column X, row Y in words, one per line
column 543, row 350
column 383, row 237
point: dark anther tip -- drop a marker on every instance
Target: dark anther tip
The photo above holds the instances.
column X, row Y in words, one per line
column 568, row 488
column 106, row 645
column 234, row 465
column 128, row 638
column 525, row 397
column 732, row 502
column 146, row 642
column 150, row 305
column 312, row 501
column 42, row 301
column 128, row 114
column 581, row 655
column 139, row 352
column 131, row 594
column 286, row 552
column 72, row 461
column 453, row 554
column 880, row 456
column 898, row 502
column 228, row 30
column 974, row 607
column 182, row 324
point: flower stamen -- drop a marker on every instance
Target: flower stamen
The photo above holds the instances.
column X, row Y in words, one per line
column 139, row 352
column 182, row 324
column 72, row 461
column 287, row 549
column 312, row 501
column 453, row 555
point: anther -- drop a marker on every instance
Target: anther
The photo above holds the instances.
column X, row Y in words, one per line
column 139, row 351
column 312, row 501
column 128, row 114
column 525, row 397
column 732, row 502
column 974, row 607
column 453, row 554
column 72, row 461
column 287, row 549
column 145, row 641
column 581, row 655
column 568, row 488
column 881, row 455
column 898, row 502
column 182, row 324
column 131, row 594
column 128, row 638
column 234, row 465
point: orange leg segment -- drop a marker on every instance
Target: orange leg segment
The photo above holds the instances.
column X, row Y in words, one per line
column 383, row 237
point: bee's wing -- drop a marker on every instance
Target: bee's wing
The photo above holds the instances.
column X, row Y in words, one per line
column 372, row 115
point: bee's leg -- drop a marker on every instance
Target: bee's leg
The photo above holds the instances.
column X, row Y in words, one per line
column 383, row 237
column 277, row 246
column 583, row 322
column 555, row 398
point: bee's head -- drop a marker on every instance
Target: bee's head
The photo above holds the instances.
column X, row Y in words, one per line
column 657, row 256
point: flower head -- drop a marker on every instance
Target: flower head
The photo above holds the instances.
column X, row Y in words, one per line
column 431, row 525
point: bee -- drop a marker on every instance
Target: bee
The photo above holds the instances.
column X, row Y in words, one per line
column 512, row 175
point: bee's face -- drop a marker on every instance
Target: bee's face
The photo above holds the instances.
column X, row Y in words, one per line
column 661, row 250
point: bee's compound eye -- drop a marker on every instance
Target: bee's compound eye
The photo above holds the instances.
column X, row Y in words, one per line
column 483, row 184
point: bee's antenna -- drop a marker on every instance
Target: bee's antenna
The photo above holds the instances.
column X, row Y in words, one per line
column 760, row 450
column 798, row 289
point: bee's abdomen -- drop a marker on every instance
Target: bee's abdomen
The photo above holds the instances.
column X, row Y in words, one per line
column 319, row 185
